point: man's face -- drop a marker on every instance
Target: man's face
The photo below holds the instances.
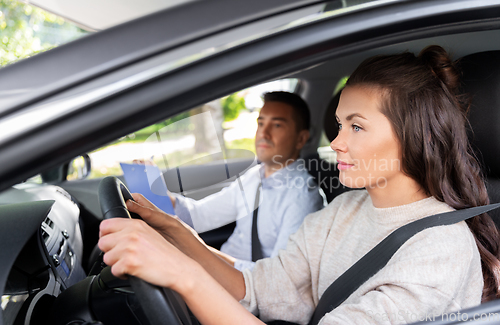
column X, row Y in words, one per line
column 277, row 139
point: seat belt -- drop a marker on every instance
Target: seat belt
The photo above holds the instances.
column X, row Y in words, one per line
column 256, row 246
column 379, row 256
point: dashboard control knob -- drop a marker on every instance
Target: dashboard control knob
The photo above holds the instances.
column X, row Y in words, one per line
column 55, row 259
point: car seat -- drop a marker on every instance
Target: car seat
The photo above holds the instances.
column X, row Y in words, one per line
column 481, row 81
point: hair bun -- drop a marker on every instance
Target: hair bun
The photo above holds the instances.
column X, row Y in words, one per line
column 442, row 66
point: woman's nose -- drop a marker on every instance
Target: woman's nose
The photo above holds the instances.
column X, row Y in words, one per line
column 338, row 144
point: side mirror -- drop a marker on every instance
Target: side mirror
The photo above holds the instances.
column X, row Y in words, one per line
column 79, row 168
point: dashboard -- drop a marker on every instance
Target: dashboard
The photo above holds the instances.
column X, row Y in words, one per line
column 51, row 259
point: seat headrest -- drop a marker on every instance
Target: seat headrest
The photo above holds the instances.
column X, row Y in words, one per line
column 481, row 81
column 329, row 125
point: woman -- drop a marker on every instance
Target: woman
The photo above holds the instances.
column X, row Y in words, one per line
column 402, row 138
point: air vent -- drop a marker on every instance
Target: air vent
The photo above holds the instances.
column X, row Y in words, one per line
column 49, row 222
column 45, row 236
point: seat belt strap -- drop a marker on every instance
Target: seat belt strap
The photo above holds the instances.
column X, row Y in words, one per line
column 256, row 246
column 379, row 256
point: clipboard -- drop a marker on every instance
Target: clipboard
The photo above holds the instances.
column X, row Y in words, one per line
column 139, row 179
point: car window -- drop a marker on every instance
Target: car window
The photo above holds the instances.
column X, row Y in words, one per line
column 201, row 135
column 325, row 152
column 26, row 30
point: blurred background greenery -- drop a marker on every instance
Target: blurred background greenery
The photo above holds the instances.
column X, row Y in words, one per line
column 26, row 30
column 232, row 105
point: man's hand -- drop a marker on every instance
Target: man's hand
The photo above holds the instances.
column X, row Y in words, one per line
column 144, row 162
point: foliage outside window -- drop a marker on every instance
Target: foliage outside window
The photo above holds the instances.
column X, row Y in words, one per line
column 26, row 30
column 232, row 105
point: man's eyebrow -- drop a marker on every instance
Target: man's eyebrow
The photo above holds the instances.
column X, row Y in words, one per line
column 274, row 118
column 353, row 115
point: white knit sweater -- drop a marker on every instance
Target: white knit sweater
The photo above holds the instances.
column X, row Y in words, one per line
column 435, row 272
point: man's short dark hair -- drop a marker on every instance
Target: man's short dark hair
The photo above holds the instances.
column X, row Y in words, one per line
column 301, row 110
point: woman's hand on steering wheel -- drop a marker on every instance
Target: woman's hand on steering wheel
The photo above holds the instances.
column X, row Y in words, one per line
column 132, row 247
column 169, row 226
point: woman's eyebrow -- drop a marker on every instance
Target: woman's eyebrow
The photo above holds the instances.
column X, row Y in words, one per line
column 350, row 117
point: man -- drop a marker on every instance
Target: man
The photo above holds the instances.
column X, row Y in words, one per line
column 280, row 186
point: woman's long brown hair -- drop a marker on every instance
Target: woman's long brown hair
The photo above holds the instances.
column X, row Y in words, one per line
column 421, row 99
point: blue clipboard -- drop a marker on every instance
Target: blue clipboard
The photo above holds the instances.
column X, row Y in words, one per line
column 139, row 179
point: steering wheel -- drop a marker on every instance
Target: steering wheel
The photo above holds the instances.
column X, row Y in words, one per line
column 160, row 305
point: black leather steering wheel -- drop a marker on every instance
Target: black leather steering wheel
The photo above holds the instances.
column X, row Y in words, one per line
column 160, row 305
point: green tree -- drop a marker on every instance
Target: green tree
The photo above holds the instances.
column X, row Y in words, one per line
column 232, row 105
column 26, row 30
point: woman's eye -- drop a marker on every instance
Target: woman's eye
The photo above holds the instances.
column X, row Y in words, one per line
column 356, row 128
column 340, row 126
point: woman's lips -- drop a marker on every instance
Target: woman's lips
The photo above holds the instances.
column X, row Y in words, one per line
column 343, row 166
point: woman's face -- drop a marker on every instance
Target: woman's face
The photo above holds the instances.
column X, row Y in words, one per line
column 368, row 152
